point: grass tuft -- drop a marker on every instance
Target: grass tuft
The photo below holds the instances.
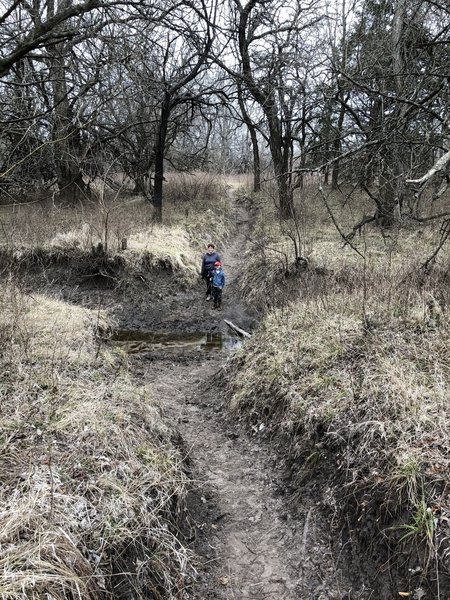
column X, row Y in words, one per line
column 93, row 487
column 349, row 376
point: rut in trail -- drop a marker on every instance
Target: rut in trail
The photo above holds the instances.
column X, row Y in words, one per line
column 248, row 545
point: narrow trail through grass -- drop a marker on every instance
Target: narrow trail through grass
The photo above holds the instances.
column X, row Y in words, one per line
column 343, row 388
column 249, row 546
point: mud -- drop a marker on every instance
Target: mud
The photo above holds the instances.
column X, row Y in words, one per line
column 248, row 546
column 247, row 543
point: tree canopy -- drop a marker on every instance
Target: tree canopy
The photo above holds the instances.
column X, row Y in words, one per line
column 354, row 92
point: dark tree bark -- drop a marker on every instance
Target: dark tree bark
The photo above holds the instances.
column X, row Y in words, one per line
column 254, row 139
column 256, row 159
column 337, row 148
column 66, row 136
column 157, row 197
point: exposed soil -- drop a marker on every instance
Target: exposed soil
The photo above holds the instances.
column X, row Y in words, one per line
column 247, row 543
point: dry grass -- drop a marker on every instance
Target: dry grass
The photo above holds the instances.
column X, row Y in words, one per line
column 382, row 259
column 365, row 410
column 349, row 375
column 196, row 211
column 92, row 485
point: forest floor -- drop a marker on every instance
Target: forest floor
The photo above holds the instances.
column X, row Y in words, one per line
column 246, row 543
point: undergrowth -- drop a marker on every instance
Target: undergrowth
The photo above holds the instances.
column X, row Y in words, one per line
column 121, row 228
column 93, row 486
column 348, row 376
column 376, row 259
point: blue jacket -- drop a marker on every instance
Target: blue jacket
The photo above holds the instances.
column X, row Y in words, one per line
column 208, row 263
column 218, row 278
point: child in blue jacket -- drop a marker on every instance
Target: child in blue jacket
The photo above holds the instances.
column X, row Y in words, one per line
column 218, row 283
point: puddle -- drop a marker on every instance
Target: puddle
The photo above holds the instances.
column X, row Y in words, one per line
column 135, row 342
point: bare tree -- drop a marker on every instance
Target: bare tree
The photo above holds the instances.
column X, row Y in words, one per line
column 395, row 101
column 27, row 31
column 96, row 99
column 184, row 54
column 270, row 38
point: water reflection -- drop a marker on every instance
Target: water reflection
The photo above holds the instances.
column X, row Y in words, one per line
column 138, row 341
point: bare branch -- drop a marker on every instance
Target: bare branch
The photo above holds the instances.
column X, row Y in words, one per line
column 336, row 224
column 445, row 234
column 438, row 166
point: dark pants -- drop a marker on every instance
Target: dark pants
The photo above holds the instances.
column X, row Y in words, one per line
column 207, row 278
column 217, row 296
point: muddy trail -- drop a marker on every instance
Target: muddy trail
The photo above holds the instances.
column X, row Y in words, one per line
column 246, row 541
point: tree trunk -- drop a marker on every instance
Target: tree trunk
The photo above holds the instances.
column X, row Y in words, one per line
column 280, row 158
column 256, row 160
column 387, row 198
column 337, row 148
column 157, row 196
column 285, row 194
column 265, row 97
column 254, row 139
column 390, row 180
column 66, row 137
column 376, row 120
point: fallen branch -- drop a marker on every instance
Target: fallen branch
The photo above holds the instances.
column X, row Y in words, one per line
column 237, row 329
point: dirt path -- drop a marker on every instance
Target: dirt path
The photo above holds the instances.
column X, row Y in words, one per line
column 248, row 545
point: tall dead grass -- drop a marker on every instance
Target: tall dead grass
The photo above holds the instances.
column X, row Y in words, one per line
column 378, row 260
column 361, row 407
column 196, row 211
column 92, row 486
column 349, row 376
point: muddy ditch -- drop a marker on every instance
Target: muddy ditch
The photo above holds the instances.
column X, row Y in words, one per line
column 139, row 341
column 247, row 544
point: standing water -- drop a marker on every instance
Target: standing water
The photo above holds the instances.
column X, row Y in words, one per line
column 135, row 342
